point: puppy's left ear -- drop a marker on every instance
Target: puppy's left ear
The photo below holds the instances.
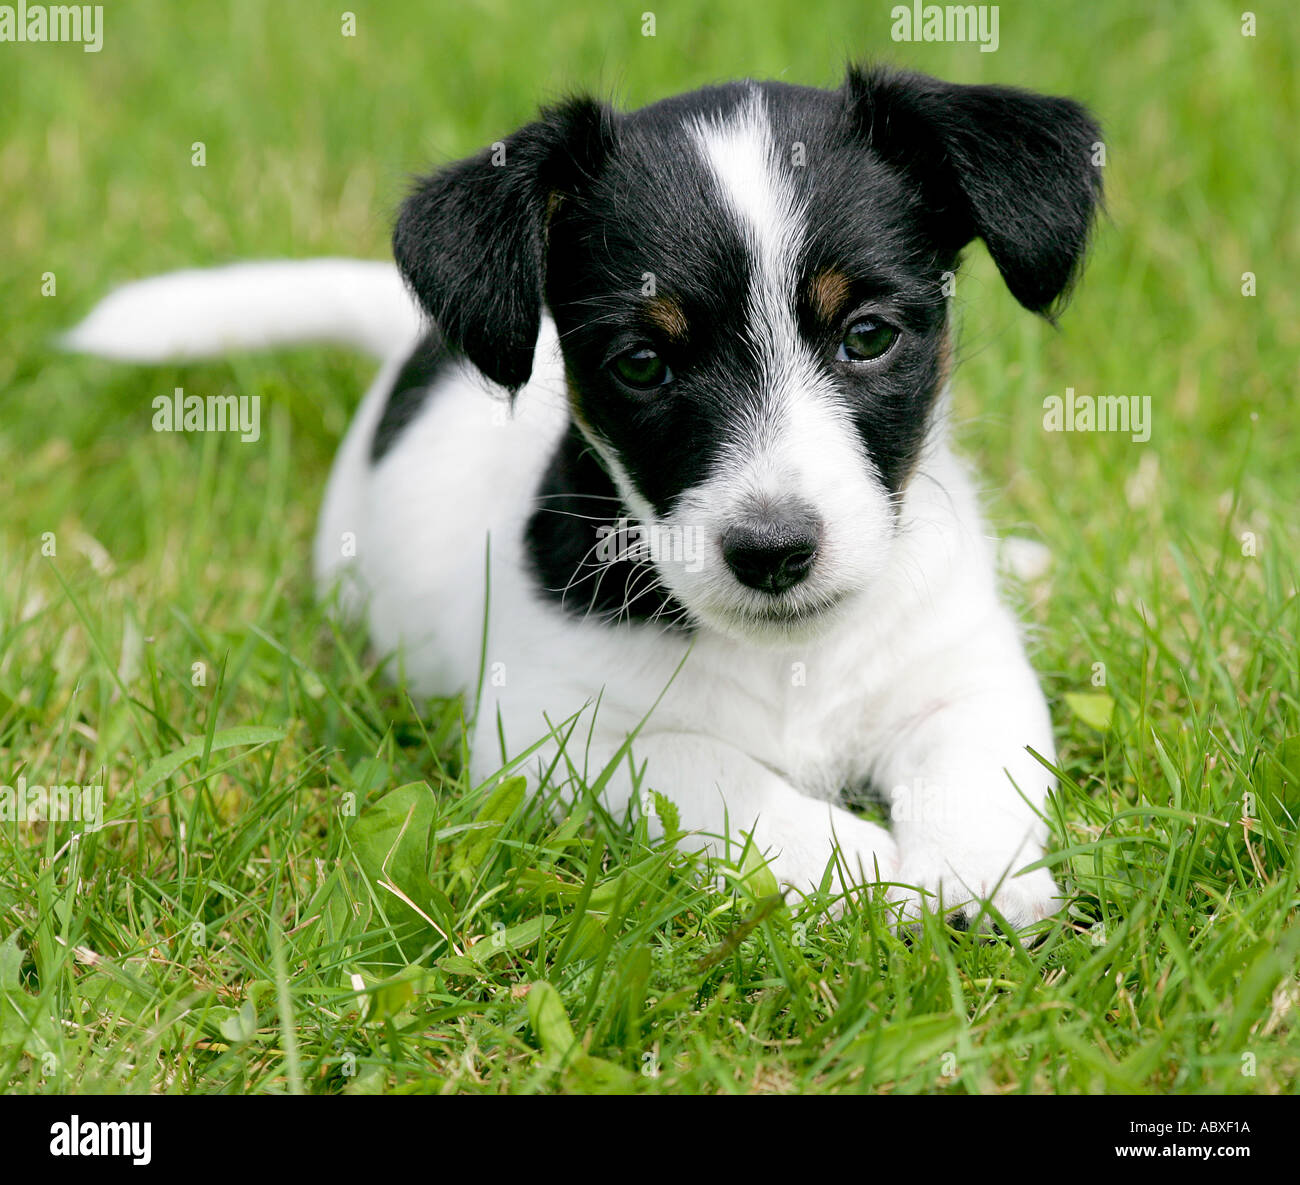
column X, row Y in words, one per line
column 471, row 239
column 1007, row 166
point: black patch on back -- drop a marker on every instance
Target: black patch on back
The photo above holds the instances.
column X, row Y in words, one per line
column 576, row 499
column 409, row 391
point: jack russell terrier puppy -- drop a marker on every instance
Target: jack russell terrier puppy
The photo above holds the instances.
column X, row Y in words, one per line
column 657, row 465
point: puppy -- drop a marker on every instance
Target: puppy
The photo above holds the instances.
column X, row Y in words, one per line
column 662, row 480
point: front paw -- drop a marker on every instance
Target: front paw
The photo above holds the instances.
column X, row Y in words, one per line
column 964, row 887
column 800, row 847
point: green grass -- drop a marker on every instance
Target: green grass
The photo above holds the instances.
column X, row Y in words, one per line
column 230, row 929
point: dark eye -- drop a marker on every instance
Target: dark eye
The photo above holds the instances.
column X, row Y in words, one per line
column 865, row 340
column 641, row 368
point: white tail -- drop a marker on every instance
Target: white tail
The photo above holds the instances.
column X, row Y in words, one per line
column 247, row 306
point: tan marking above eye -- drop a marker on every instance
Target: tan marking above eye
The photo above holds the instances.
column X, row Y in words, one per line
column 554, row 200
column 945, row 358
column 828, row 291
column 575, row 404
column 667, row 315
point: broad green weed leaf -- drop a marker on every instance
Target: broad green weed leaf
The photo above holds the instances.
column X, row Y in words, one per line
column 1095, row 709
column 227, row 738
column 391, row 841
column 501, row 804
column 1279, row 779
column 548, row 1019
column 509, row 940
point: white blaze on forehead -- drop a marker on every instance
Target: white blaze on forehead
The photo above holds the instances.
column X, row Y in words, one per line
column 738, row 148
column 792, row 412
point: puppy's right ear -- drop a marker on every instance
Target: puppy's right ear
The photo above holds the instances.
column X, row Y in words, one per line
column 470, row 240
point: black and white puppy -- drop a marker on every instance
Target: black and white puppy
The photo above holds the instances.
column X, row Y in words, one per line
column 714, row 498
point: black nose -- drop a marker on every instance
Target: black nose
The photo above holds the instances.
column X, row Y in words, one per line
column 772, row 553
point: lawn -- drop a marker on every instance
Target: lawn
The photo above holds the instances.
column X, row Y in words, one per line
column 297, row 890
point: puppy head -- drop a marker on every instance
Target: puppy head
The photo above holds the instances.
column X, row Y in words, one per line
column 748, row 283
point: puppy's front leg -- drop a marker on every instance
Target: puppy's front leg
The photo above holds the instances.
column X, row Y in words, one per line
column 964, row 791
column 720, row 791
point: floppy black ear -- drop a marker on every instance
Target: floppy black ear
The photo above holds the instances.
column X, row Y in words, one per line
column 1007, row 166
column 470, row 239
